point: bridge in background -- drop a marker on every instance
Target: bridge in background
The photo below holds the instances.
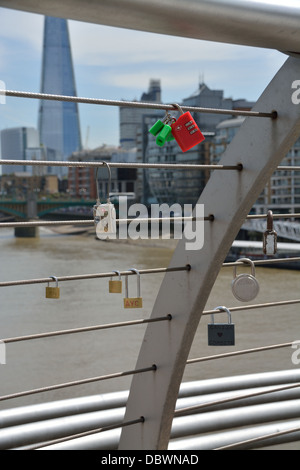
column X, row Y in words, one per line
column 33, row 208
column 289, row 230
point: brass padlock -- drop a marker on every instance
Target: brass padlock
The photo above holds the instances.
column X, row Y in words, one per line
column 133, row 302
column 53, row 292
column 115, row 286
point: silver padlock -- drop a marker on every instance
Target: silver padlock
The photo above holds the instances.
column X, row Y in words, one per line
column 133, row 302
column 221, row 334
column 270, row 237
column 245, row 287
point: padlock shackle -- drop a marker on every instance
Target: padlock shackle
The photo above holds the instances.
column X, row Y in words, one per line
column 55, row 279
column 246, row 261
column 178, row 107
column 222, row 309
column 138, row 282
column 168, row 118
column 270, row 221
column 118, row 273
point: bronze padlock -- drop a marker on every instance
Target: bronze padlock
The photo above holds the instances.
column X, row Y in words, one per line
column 133, row 302
column 53, row 292
column 115, row 286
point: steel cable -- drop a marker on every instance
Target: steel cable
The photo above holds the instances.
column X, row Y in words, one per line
column 135, row 104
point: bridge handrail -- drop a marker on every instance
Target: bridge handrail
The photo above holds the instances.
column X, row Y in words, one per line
column 268, row 24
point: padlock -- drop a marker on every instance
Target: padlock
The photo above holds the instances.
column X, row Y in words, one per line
column 270, row 237
column 105, row 220
column 156, row 128
column 186, row 132
column 245, row 287
column 133, row 302
column 221, row 334
column 164, row 135
column 105, row 214
column 115, row 286
column 162, row 130
column 53, row 292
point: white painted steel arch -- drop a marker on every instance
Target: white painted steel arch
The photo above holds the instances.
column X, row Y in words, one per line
column 260, row 146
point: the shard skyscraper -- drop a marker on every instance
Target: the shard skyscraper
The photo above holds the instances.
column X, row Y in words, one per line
column 59, row 127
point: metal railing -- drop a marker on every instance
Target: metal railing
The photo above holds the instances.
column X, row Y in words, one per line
column 267, row 24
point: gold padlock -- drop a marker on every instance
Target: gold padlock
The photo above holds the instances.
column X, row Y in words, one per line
column 53, row 292
column 133, row 302
column 115, row 287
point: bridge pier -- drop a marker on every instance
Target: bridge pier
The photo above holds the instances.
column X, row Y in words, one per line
column 31, row 210
column 27, row 232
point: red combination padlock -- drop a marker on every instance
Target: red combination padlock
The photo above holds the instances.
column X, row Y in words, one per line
column 185, row 131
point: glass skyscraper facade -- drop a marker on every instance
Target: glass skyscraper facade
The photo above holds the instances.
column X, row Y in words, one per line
column 20, row 143
column 59, row 126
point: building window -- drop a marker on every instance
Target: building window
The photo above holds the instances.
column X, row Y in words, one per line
column 130, row 187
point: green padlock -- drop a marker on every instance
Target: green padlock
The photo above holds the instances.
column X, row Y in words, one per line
column 164, row 135
column 158, row 126
column 162, row 130
column 170, row 137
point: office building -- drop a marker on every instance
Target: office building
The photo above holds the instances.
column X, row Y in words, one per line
column 282, row 193
column 82, row 181
column 132, row 119
column 205, row 97
column 185, row 186
column 20, row 143
column 58, row 121
column 176, row 186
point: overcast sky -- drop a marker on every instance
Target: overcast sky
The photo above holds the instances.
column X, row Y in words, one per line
column 114, row 63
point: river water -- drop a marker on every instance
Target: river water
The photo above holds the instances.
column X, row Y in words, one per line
column 25, row 310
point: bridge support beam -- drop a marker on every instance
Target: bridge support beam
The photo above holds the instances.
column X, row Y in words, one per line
column 259, row 146
column 31, row 211
column 26, row 232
